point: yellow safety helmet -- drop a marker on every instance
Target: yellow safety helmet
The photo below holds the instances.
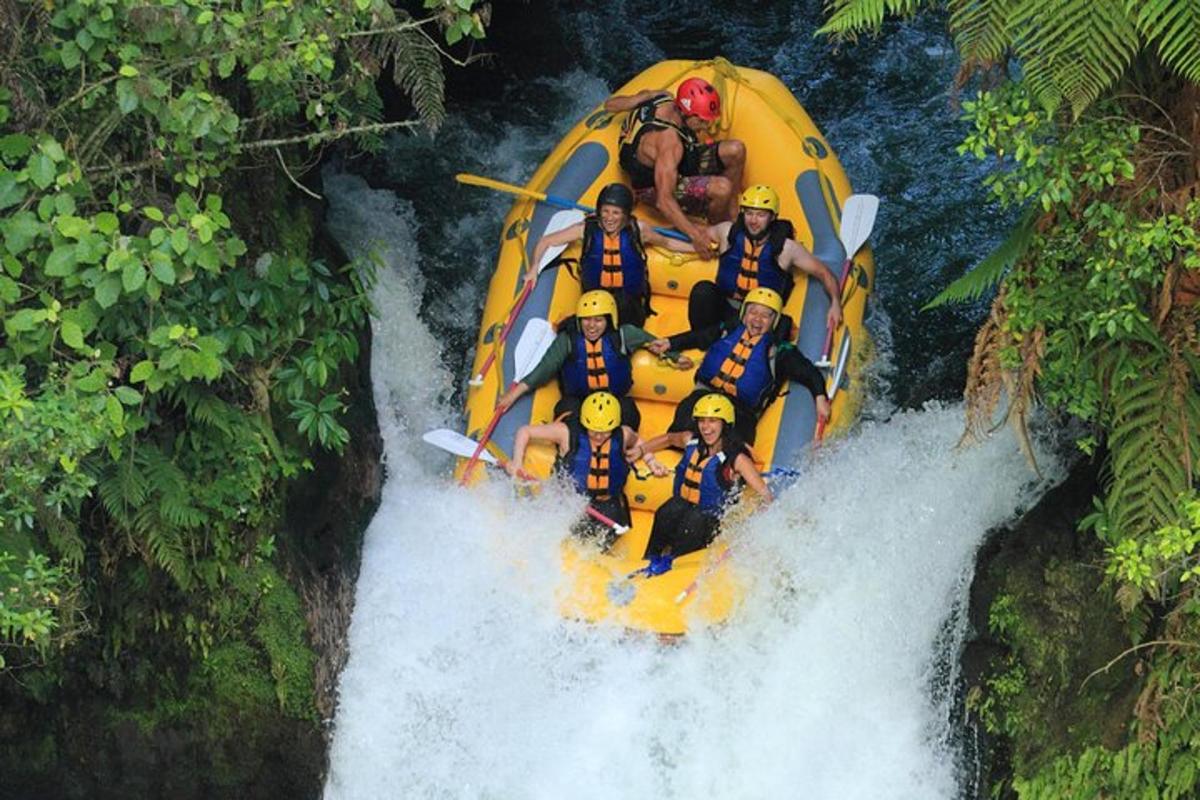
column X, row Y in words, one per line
column 764, row 297
column 714, row 405
column 598, row 303
column 601, row 412
column 760, row 196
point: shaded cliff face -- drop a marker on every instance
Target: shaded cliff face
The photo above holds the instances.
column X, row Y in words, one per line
column 1043, row 628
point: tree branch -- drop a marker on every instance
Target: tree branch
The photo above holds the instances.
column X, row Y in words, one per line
column 332, row 133
column 1134, row 649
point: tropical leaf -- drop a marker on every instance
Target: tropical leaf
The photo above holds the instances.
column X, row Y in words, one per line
column 849, row 18
column 123, row 489
column 1173, row 26
column 989, row 272
column 206, row 408
column 1153, row 440
column 1072, row 50
column 416, row 69
column 980, row 29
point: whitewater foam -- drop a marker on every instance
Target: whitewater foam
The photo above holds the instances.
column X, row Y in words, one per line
column 828, row 682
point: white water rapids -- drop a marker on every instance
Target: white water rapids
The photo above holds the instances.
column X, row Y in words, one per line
column 833, row 680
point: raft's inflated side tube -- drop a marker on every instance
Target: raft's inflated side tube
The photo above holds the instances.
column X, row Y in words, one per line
column 578, row 173
column 786, row 151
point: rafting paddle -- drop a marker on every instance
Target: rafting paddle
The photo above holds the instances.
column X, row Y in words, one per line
column 858, row 218
column 460, row 445
column 561, row 220
column 548, row 199
column 534, row 342
column 835, row 381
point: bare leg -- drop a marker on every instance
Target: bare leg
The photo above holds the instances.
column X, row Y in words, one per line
column 733, row 156
column 718, row 191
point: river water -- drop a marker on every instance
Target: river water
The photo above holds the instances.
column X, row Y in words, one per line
column 836, row 678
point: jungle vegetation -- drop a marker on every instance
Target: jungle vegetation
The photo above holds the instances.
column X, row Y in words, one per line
column 172, row 353
column 1088, row 113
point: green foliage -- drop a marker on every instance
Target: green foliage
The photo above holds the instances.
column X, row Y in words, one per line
column 1070, row 51
column 985, row 275
column 849, row 18
column 29, row 596
column 1086, row 280
column 171, row 352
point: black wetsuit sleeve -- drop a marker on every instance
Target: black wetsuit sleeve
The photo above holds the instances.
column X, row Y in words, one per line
column 791, row 365
column 700, row 339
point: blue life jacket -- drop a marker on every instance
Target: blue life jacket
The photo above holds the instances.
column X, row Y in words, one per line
column 740, row 366
column 622, row 268
column 591, row 367
column 700, row 478
column 747, row 265
column 599, row 475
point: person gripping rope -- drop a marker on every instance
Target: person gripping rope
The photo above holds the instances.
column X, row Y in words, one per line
column 669, row 166
column 715, row 464
column 757, row 249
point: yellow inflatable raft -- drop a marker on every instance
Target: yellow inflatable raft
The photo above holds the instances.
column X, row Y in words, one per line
column 784, row 150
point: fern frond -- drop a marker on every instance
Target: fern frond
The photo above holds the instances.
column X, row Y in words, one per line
column 63, row 535
column 980, row 29
column 985, row 375
column 1173, row 26
column 164, row 547
column 849, row 18
column 994, row 266
column 123, row 489
column 417, row 70
column 1154, row 437
column 1073, row 50
column 206, row 408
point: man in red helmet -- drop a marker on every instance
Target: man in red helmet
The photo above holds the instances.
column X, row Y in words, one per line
column 669, row 165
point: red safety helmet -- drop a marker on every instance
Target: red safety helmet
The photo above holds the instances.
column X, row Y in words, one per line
column 698, row 97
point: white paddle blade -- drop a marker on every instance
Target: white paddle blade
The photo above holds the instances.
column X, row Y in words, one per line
column 560, row 221
column 454, row 442
column 843, row 356
column 858, row 218
column 534, row 342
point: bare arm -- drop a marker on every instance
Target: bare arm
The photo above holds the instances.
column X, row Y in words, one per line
column 653, row 237
column 511, row 396
column 677, row 439
column 626, row 102
column 566, row 236
column 744, row 466
column 555, row 432
column 668, row 150
column 800, row 260
column 635, row 448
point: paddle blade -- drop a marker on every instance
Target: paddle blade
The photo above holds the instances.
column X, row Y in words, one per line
column 534, row 342
column 456, row 443
column 560, row 221
column 858, row 218
column 843, row 357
